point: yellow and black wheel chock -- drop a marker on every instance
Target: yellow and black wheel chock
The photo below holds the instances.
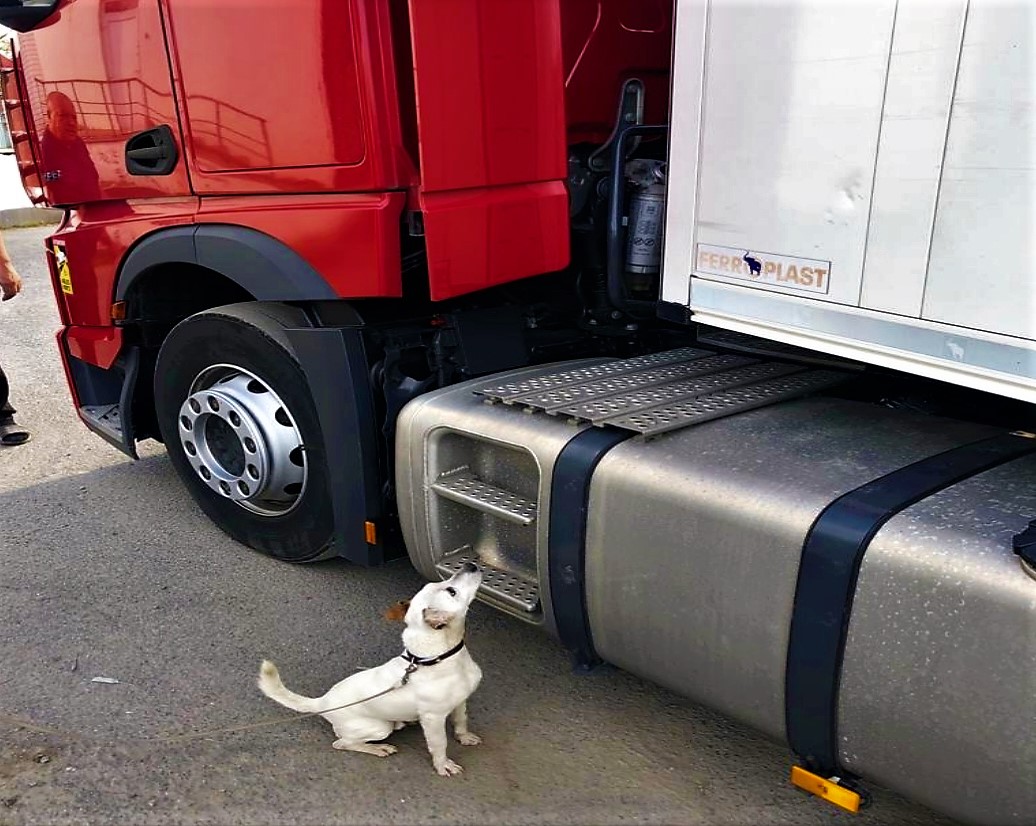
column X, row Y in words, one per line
column 832, row 789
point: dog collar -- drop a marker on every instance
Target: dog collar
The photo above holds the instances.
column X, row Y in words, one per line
column 414, row 660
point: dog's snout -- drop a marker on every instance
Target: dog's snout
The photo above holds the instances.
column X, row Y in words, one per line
column 470, row 568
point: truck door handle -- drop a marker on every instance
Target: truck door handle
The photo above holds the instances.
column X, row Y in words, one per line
column 152, row 152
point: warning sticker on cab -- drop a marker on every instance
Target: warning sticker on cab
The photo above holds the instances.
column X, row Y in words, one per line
column 764, row 268
column 64, row 274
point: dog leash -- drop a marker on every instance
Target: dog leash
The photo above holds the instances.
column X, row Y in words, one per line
column 413, row 663
column 200, row 735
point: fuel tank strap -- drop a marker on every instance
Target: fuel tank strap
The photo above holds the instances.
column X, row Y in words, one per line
column 828, row 571
column 569, row 495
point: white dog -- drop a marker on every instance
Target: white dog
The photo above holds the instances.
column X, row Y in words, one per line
column 430, row 681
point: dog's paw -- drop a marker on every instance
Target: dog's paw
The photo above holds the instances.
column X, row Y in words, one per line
column 449, row 768
column 468, row 739
column 377, row 749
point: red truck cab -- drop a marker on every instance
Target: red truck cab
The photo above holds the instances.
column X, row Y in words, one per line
column 324, row 157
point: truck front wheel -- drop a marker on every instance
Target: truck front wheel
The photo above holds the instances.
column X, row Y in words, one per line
column 241, row 429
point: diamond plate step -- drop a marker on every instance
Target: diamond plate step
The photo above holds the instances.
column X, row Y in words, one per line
column 465, row 487
column 552, row 400
column 497, row 585
column 600, row 411
column 672, row 416
column 509, row 391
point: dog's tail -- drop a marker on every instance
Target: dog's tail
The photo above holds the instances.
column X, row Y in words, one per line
column 270, row 684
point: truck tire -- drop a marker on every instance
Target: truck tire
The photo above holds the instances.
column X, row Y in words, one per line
column 240, row 427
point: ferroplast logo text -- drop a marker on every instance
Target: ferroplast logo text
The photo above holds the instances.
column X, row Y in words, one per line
column 764, row 268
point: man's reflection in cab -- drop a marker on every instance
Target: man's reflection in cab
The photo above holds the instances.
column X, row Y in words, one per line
column 68, row 171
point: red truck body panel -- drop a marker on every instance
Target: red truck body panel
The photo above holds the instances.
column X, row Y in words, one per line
column 491, row 123
column 95, row 240
column 351, row 240
column 95, row 345
column 484, row 237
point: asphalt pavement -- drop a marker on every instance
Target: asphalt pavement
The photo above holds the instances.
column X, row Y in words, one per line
column 107, row 569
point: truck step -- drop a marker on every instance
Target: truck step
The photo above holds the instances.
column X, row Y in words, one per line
column 465, row 487
column 552, row 400
column 655, row 394
column 510, row 392
column 105, row 417
column 600, row 411
column 672, row 416
column 498, row 586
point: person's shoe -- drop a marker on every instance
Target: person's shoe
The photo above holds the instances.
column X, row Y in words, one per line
column 13, row 434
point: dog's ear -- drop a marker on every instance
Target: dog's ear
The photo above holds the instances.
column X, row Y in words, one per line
column 436, row 618
column 397, row 613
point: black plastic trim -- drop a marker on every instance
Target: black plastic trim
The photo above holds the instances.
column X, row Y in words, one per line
column 828, row 572
column 94, row 385
column 263, row 266
column 1024, row 544
column 131, row 370
column 566, row 546
column 673, row 311
column 335, row 365
column 168, row 246
column 24, row 17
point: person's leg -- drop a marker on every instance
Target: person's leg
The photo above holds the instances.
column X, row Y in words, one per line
column 6, row 411
column 11, row 434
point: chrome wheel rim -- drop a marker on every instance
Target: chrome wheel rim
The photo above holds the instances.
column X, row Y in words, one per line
column 243, row 441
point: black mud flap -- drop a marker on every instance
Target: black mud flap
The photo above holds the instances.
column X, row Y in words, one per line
column 106, row 396
column 335, row 365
